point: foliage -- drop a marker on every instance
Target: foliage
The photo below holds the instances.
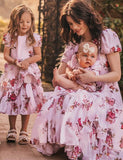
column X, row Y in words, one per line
column 112, row 11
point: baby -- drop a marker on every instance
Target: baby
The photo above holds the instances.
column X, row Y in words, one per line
column 86, row 58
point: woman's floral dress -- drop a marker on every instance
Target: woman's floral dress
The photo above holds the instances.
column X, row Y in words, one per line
column 88, row 123
column 21, row 91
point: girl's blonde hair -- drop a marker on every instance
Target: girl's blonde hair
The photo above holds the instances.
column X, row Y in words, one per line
column 13, row 26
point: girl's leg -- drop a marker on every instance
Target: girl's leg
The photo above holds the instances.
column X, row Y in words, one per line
column 12, row 134
column 24, row 122
column 23, row 137
column 12, row 121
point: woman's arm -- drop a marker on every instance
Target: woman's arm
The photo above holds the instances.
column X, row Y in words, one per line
column 62, row 68
column 113, row 76
column 63, row 81
column 25, row 63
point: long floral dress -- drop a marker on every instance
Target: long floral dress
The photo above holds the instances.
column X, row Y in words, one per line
column 88, row 123
column 21, row 91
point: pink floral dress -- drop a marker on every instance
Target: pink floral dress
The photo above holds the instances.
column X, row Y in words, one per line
column 21, row 91
column 96, row 68
column 83, row 122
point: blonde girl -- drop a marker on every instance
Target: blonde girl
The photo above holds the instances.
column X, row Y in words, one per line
column 20, row 86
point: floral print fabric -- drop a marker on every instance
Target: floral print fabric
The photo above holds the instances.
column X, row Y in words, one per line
column 21, row 91
column 96, row 68
column 88, row 123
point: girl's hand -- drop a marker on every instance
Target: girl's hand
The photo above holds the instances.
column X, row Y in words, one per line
column 86, row 76
column 18, row 63
column 24, row 64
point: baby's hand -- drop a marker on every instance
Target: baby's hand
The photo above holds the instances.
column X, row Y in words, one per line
column 71, row 76
column 76, row 71
column 24, row 64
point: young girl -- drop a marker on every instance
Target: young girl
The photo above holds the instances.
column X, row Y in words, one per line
column 21, row 90
column 87, row 124
column 85, row 58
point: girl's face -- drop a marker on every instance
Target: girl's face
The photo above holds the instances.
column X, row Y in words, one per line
column 80, row 29
column 25, row 23
column 86, row 59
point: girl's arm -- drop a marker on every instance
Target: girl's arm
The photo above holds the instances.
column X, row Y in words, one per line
column 113, row 76
column 37, row 57
column 7, row 56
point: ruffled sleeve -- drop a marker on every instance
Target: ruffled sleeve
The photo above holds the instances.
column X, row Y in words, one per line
column 73, row 63
column 38, row 40
column 70, row 50
column 7, row 40
column 110, row 42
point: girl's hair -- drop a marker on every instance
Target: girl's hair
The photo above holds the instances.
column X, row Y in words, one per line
column 80, row 10
column 13, row 26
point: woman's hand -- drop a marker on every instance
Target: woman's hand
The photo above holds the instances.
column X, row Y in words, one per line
column 86, row 76
column 55, row 77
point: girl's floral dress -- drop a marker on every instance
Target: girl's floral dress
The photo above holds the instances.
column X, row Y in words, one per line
column 83, row 122
column 21, row 91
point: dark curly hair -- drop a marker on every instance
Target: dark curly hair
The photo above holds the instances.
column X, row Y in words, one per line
column 80, row 10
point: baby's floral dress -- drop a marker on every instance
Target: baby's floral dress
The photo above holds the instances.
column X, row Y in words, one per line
column 21, row 90
column 84, row 123
column 96, row 68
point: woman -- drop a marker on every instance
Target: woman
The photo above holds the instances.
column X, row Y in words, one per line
column 87, row 124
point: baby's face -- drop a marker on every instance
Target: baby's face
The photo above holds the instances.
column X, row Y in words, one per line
column 87, row 58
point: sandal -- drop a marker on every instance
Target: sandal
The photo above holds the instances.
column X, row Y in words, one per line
column 23, row 138
column 12, row 134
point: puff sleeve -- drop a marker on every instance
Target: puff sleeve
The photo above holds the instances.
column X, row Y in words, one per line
column 70, row 50
column 38, row 40
column 7, row 40
column 110, row 42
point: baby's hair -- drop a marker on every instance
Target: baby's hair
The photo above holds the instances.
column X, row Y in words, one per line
column 13, row 26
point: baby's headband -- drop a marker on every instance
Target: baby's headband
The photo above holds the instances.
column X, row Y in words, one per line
column 88, row 49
